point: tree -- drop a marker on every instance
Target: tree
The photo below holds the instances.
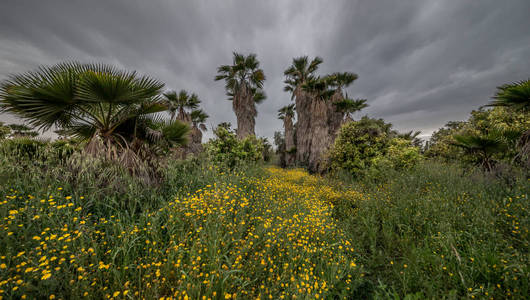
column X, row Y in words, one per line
column 482, row 147
column 113, row 110
column 286, row 114
column 340, row 81
column 244, row 85
column 298, row 74
column 348, row 107
column 516, row 96
column 180, row 103
column 198, row 117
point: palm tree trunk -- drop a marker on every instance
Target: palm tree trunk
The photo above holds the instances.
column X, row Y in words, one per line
column 320, row 138
column 303, row 126
column 289, row 141
column 245, row 109
column 335, row 116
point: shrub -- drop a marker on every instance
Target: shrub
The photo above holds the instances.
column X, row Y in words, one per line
column 369, row 146
column 227, row 151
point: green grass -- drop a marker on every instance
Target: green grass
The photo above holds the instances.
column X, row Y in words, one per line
column 90, row 230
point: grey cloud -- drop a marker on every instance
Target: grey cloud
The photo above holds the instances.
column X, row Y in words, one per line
column 421, row 63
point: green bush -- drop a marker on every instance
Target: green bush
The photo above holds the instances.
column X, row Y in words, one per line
column 227, row 151
column 369, row 146
column 24, row 147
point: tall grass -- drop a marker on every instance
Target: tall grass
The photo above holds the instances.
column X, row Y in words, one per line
column 439, row 233
column 76, row 227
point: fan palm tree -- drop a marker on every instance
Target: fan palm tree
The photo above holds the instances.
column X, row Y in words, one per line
column 349, row 106
column 113, row 110
column 340, row 81
column 297, row 75
column 516, row 96
column 244, row 86
column 180, row 103
column 482, row 147
column 286, row 114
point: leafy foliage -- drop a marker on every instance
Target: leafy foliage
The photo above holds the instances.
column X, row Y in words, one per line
column 113, row 110
column 370, row 146
column 228, row 151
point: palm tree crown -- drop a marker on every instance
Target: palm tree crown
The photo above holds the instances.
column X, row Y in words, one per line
column 286, row 111
column 516, row 95
column 300, row 72
column 89, row 101
column 244, row 73
column 180, row 102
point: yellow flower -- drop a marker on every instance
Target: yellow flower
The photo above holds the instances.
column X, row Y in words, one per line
column 46, row 276
column 3, row 266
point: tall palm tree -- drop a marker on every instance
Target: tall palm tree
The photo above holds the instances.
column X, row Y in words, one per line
column 297, row 75
column 340, row 81
column 286, row 114
column 516, row 96
column 244, row 86
column 113, row 110
column 180, row 103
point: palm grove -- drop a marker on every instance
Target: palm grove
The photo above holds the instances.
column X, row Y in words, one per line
column 129, row 118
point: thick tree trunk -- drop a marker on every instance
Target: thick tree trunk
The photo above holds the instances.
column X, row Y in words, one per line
column 303, row 126
column 245, row 109
column 183, row 116
column 320, row 138
column 335, row 117
column 290, row 155
column 195, row 145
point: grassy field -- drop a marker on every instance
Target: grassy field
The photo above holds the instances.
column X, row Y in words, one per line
column 259, row 232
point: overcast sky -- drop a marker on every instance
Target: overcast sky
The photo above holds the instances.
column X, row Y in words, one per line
column 420, row 63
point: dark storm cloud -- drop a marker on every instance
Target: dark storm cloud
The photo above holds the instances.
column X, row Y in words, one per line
column 420, row 63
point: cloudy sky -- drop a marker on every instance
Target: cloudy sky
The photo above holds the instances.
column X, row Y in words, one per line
column 420, row 63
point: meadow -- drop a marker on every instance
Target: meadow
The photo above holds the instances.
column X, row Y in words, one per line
column 87, row 229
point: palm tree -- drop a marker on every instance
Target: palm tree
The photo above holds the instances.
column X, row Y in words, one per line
column 340, row 81
column 516, row 96
column 198, row 117
column 286, row 114
column 348, row 107
column 482, row 147
column 297, row 75
column 244, row 83
column 113, row 110
column 180, row 103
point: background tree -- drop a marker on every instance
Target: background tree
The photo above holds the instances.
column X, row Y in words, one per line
column 340, row 81
column 244, row 83
column 286, row 114
column 198, row 119
column 181, row 103
column 481, row 147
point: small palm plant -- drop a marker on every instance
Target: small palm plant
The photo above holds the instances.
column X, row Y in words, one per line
column 244, row 86
column 481, row 147
column 114, row 111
